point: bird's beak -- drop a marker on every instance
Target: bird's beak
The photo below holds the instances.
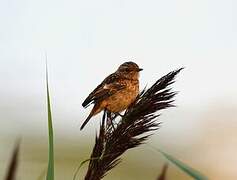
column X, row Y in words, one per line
column 140, row 69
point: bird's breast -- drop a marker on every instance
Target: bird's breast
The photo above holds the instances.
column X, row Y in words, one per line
column 123, row 98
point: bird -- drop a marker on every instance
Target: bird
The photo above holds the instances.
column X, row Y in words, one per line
column 116, row 92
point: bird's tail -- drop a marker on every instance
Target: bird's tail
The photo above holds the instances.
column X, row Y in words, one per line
column 96, row 109
column 86, row 121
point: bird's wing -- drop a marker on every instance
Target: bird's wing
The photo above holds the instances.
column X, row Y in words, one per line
column 107, row 88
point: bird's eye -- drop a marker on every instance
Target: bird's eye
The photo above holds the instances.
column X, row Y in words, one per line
column 127, row 69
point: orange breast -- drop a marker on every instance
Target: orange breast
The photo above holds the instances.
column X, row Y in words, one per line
column 123, row 98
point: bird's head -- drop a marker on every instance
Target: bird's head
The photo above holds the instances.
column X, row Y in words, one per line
column 129, row 70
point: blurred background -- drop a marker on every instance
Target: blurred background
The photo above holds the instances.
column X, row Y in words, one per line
column 87, row 40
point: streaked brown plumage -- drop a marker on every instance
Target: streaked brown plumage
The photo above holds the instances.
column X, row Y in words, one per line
column 116, row 92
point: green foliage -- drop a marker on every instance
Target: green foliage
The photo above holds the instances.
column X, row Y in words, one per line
column 188, row 170
column 79, row 167
column 50, row 172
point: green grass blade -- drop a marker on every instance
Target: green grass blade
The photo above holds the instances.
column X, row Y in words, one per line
column 81, row 164
column 188, row 170
column 50, row 172
column 79, row 167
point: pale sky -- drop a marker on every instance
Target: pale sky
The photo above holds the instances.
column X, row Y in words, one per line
column 87, row 40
